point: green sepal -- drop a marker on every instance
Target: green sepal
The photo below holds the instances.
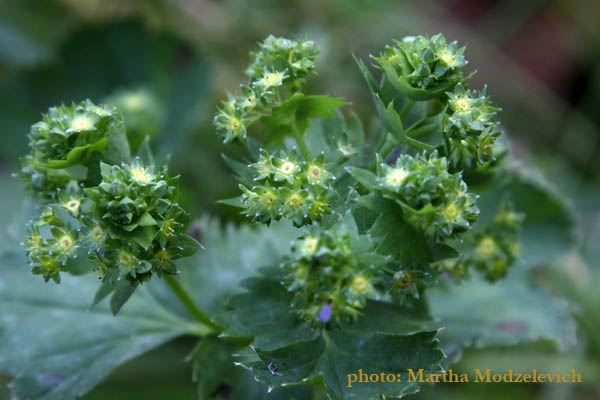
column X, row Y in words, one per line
column 144, row 235
column 75, row 155
column 123, row 291
column 405, row 89
column 184, row 245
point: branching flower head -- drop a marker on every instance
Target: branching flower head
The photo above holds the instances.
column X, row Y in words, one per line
column 280, row 54
column 230, row 124
column 332, row 273
column 425, row 66
column 469, row 128
column 283, row 186
column 67, row 136
column 431, row 198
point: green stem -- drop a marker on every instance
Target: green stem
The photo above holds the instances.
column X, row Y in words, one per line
column 303, row 149
column 415, row 124
column 189, row 304
column 422, row 130
column 417, row 144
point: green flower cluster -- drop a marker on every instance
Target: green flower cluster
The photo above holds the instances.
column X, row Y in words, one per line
column 431, row 198
column 130, row 226
column 144, row 226
column 493, row 248
column 428, row 64
column 50, row 244
column 295, row 58
column 67, row 136
column 280, row 64
column 409, row 282
column 285, row 187
column 469, row 128
column 141, row 112
column 331, row 274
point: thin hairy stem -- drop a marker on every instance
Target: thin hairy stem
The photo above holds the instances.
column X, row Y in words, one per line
column 189, row 304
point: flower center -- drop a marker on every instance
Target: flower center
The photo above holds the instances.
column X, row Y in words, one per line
column 273, row 79
column 141, row 174
column 269, row 198
column 310, row 245
column 346, row 149
column 447, row 57
column 250, row 101
column 404, row 281
column 97, row 234
column 34, row 242
column 82, row 123
column 396, row 177
column 462, row 104
column 451, row 212
column 265, row 167
column 287, row 167
column 315, row 172
column 360, row 284
column 169, row 227
column 73, row 205
column 486, row 247
column 162, row 256
column 234, row 124
column 66, row 243
column 294, row 200
column 125, row 259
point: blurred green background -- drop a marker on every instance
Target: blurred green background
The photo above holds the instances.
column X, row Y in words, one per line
column 538, row 57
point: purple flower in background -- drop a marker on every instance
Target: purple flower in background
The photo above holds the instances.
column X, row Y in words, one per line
column 325, row 314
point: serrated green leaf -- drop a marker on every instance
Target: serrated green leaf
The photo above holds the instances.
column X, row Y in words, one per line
column 264, row 313
column 549, row 229
column 297, row 110
column 216, row 375
column 335, row 354
column 364, row 218
column 232, row 254
column 387, row 338
column 324, row 135
column 506, row 313
column 318, row 107
column 395, row 236
column 213, row 365
column 73, row 348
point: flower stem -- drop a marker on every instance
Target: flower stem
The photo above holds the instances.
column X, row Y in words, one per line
column 302, row 146
column 189, row 304
column 422, row 130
